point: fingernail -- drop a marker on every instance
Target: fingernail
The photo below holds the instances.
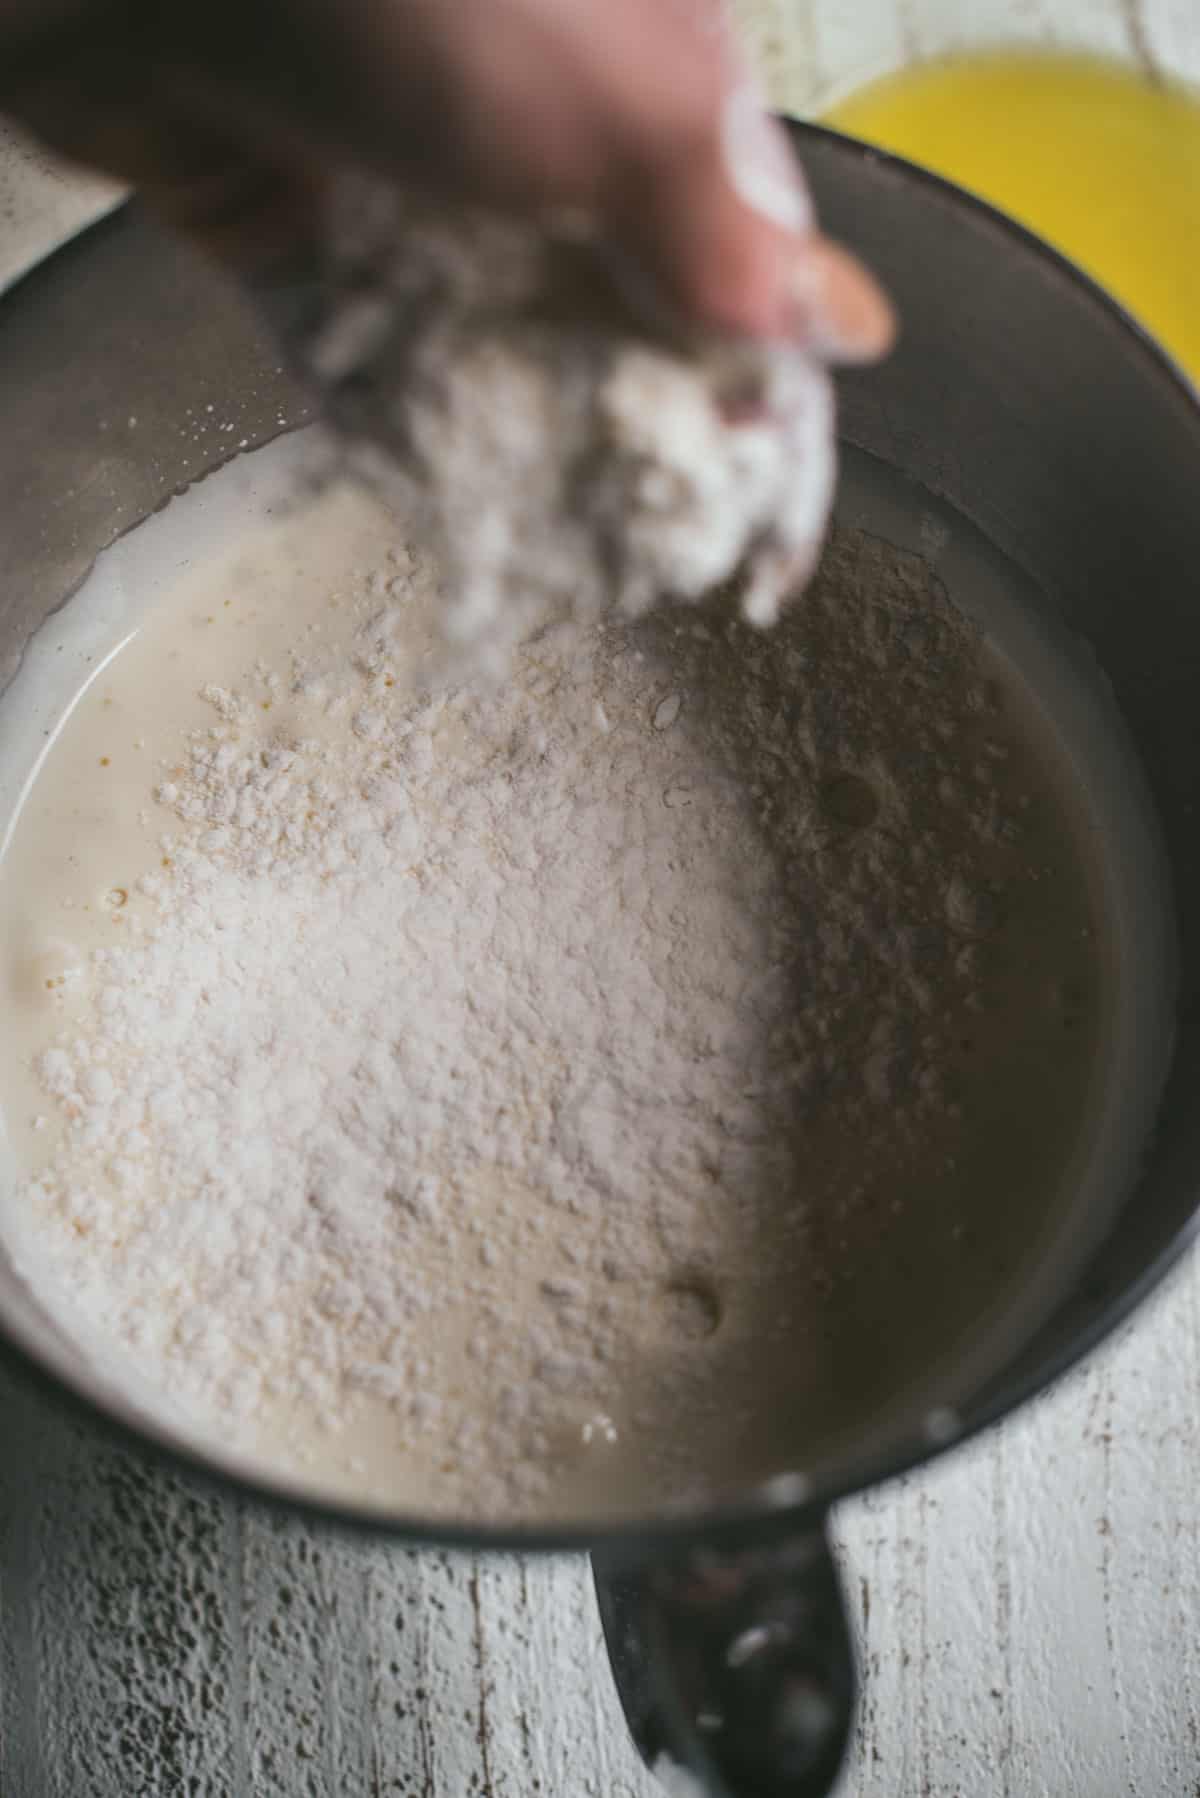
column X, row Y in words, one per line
column 760, row 162
column 840, row 311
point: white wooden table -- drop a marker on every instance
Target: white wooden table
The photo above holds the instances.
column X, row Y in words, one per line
column 1028, row 1610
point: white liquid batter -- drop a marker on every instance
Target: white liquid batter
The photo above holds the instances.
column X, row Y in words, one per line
column 92, row 827
column 590, row 1302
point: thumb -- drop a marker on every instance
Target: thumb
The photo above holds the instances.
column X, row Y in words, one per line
column 723, row 222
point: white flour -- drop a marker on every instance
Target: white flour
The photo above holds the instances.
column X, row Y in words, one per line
column 483, row 1096
column 566, row 460
column 417, row 989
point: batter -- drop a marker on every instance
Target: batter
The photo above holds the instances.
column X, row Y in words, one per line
column 539, row 1100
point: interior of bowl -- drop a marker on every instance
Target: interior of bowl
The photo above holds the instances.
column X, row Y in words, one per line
column 1019, row 402
column 1073, row 442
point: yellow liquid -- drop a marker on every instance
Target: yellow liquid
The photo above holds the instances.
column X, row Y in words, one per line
column 1096, row 160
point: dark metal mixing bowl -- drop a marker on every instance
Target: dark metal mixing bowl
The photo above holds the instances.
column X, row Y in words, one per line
column 1022, row 398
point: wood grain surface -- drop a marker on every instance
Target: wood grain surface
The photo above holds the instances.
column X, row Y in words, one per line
column 1028, row 1610
column 1026, row 1613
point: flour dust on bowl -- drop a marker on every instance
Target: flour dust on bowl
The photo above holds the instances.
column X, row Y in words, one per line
column 634, row 1105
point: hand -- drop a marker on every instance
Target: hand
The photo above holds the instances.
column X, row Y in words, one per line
column 637, row 115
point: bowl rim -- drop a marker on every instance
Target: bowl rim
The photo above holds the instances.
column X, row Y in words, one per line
column 788, row 1502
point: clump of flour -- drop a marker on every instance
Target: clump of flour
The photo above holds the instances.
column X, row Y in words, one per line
column 497, row 1076
column 565, row 460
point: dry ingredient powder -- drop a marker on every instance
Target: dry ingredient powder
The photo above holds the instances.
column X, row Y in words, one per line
column 484, row 1099
column 565, row 459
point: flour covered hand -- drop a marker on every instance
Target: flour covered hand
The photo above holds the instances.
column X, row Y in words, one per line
column 635, row 120
column 567, row 456
column 233, row 117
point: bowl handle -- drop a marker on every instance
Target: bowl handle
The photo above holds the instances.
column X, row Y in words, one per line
column 734, row 1662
